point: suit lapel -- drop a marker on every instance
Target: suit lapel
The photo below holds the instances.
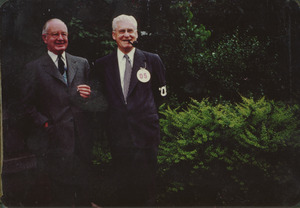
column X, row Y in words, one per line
column 51, row 68
column 114, row 75
column 139, row 61
column 72, row 68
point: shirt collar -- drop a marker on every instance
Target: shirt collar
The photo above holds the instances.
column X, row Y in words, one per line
column 54, row 57
column 130, row 54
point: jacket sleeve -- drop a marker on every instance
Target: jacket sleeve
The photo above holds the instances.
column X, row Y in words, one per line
column 159, row 80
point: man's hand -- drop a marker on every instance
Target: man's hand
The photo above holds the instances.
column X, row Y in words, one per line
column 84, row 90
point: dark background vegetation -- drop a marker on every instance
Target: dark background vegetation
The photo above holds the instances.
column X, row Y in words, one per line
column 215, row 49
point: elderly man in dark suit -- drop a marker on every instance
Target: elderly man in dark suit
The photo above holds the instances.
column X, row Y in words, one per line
column 55, row 94
column 134, row 83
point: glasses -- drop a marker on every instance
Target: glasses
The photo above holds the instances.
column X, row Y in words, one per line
column 56, row 35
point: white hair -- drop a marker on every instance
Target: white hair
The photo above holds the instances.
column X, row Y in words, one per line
column 45, row 28
column 124, row 18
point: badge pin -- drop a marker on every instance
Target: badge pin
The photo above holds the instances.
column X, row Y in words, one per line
column 143, row 75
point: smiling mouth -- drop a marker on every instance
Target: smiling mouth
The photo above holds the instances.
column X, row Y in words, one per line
column 60, row 44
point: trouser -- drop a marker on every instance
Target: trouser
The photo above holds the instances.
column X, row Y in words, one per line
column 71, row 183
column 134, row 178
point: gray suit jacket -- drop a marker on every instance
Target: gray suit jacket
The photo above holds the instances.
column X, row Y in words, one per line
column 47, row 98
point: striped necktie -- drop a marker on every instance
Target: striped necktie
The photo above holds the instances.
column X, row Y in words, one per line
column 127, row 76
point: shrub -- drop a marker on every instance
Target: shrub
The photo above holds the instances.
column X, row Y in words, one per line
column 242, row 63
column 229, row 154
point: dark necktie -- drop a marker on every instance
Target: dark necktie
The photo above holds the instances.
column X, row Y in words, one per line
column 127, row 76
column 61, row 65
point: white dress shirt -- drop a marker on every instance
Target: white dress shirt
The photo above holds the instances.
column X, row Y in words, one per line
column 54, row 58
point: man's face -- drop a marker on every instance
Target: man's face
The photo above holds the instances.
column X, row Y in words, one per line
column 56, row 37
column 125, row 31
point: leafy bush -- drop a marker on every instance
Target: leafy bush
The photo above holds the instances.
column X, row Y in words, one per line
column 201, row 62
column 178, row 41
column 230, row 154
column 242, row 63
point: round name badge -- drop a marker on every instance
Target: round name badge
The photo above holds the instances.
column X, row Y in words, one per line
column 143, row 75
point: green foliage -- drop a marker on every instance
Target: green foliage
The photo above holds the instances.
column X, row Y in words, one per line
column 203, row 63
column 232, row 147
column 78, row 27
column 88, row 37
column 241, row 63
column 179, row 45
column 101, row 153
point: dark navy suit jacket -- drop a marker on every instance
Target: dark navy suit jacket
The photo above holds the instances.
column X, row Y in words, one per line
column 135, row 123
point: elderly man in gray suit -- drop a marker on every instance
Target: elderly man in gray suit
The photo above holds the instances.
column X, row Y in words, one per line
column 55, row 94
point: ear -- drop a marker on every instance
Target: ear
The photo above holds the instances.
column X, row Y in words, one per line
column 113, row 34
column 44, row 38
